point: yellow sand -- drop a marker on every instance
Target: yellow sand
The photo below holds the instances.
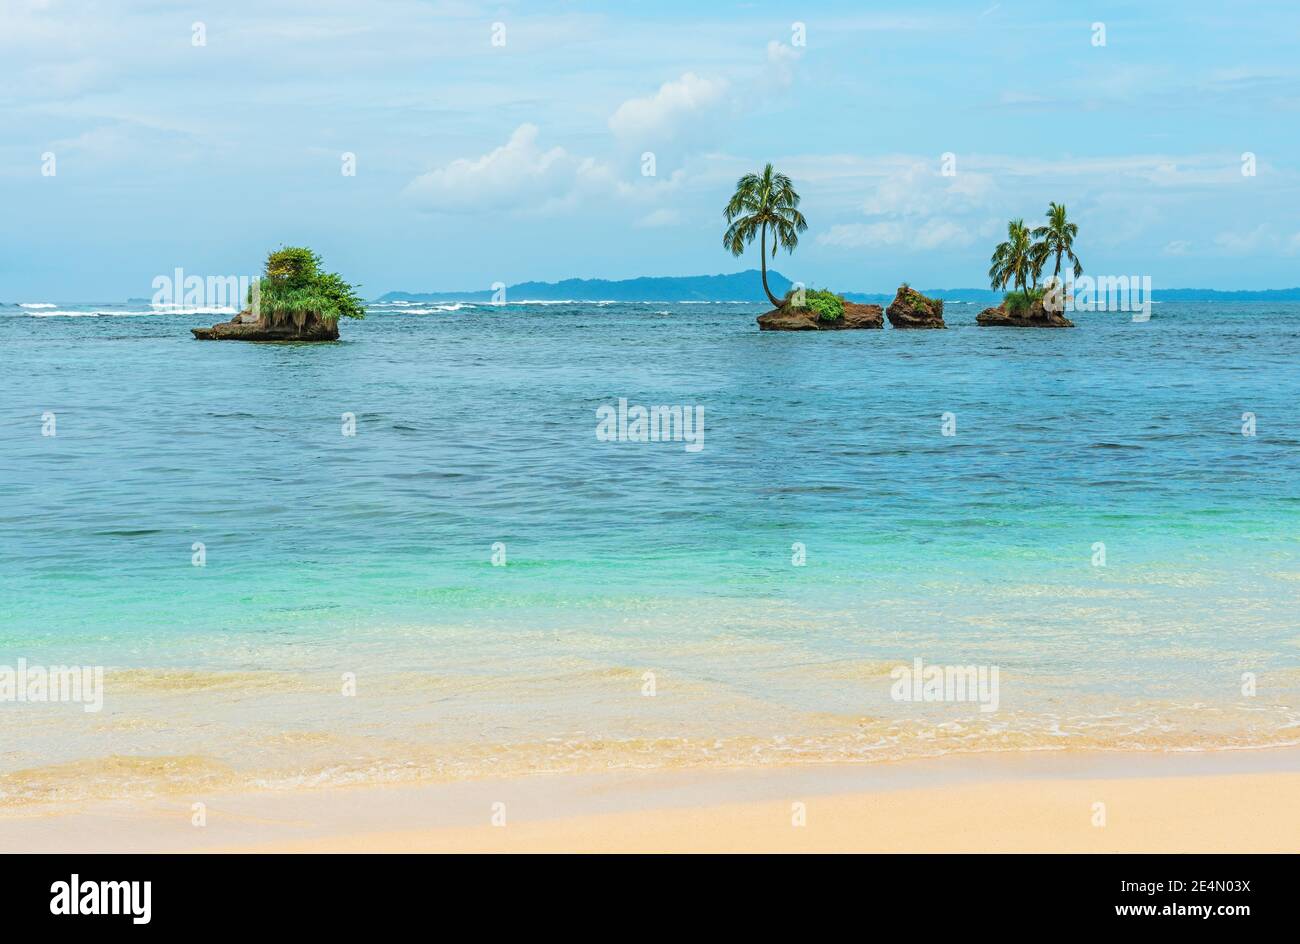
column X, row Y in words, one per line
column 1230, row 801
column 1246, row 813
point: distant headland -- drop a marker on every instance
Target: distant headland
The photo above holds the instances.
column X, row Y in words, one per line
column 747, row 286
column 743, row 286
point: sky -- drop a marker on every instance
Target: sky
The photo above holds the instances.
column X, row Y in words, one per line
column 505, row 142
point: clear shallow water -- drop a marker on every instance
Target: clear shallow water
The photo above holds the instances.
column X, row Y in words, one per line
column 371, row 554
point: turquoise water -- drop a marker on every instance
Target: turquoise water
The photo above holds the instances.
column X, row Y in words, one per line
column 371, row 553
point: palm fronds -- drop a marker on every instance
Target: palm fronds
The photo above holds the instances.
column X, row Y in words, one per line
column 762, row 201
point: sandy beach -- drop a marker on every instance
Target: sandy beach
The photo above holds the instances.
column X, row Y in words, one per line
column 1228, row 801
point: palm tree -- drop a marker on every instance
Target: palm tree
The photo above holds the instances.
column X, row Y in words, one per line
column 1014, row 259
column 1057, row 239
column 760, row 201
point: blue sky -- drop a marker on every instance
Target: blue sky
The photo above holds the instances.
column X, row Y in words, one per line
column 478, row 163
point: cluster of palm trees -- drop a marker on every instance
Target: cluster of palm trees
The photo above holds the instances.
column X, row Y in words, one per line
column 1021, row 259
column 768, row 200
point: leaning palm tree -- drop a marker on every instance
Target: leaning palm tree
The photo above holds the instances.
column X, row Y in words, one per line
column 1014, row 260
column 760, row 201
column 1057, row 239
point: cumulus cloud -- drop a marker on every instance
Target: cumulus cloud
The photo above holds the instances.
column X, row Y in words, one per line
column 519, row 175
column 1263, row 239
column 694, row 102
column 668, row 111
column 915, row 207
column 919, row 189
column 1240, row 243
column 781, row 61
column 660, row 217
column 522, row 176
column 923, row 234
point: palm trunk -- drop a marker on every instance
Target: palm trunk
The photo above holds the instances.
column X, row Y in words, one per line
column 1058, row 265
column 763, row 259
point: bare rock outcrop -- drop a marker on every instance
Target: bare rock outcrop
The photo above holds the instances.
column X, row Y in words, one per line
column 911, row 309
column 246, row 326
column 788, row 318
column 1035, row 315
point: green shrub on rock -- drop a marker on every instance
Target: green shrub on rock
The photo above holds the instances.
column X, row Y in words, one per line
column 293, row 288
column 1019, row 301
column 826, row 305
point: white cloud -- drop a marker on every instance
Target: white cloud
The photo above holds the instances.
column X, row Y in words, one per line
column 781, row 60
column 523, row 177
column 938, row 233
column 862, row 235
column 901, row 234
column 519, row 175
column 920, row 189
column 660, row 217
column 694, row 102
column 1264, row 239
column 1119, row 201
column 1158, row 169
column 668, row 111
column 1241, row 243
column 915, row 207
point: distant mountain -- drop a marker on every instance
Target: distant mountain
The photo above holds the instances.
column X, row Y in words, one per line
column 981, row 295
column 1215, row 295
column 747, row 286
column 984, row 295
column 744, row 286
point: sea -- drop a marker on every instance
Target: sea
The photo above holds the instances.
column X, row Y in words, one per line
column 442, row 548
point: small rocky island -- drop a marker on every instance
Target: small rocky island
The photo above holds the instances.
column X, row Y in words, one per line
column 1019, row 260
column 820, row 311
column 293, row 301
column 826, row 311
column 247, row 326
column 1033, row 315
column 768, row 201
column 911, row 309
